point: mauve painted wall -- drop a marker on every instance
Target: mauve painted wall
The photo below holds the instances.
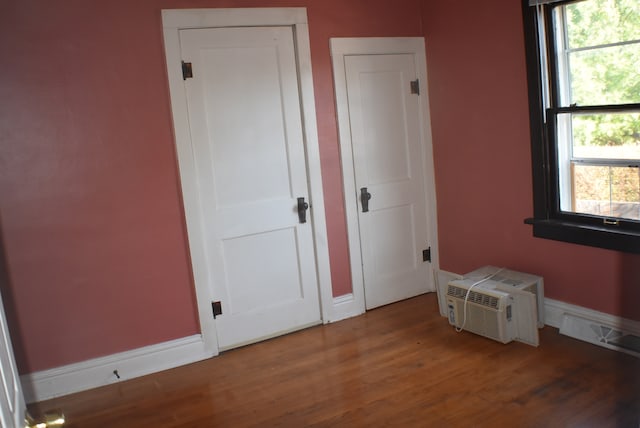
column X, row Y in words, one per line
column 479, row 114
column 92, row 219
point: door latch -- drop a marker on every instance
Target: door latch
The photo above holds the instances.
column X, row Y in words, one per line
column 302, row 210
column 365, row 196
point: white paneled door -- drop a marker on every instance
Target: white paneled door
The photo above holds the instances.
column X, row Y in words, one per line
column 249, row 151
column 381, row 106
column 12, row 403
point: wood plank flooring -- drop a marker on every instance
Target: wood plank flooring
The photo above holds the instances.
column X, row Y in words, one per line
column 399, row 365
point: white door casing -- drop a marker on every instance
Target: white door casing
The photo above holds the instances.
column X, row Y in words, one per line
column 12, row 402
column 240, row 254
column 385, row 143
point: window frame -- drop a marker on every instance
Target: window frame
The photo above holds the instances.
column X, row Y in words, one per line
column 548, row 220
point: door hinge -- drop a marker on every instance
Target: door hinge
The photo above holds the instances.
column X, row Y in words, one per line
column 217, row 308
column 415, row 87
column 187, row 72
column 426, row 255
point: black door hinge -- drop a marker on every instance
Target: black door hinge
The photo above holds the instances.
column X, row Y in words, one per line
column 426, row 255
column 187, row 72
column 217, row 308
column 415, row 87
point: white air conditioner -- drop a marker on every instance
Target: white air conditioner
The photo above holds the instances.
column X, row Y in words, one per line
column 510, row 280
column 487, row 312
column 492, row 311
column 442, row 278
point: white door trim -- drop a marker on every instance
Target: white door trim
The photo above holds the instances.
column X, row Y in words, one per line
column 12, row 402
column 341, row 47
column 175, row 20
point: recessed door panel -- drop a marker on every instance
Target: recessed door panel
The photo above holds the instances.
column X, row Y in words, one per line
column 255, row 166
column 246, row 287
column 384, row 127
column 394, row 233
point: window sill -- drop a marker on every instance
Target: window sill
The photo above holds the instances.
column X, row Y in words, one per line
column 593, row 236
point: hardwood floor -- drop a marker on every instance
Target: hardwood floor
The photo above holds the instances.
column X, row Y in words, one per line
column 400, row 365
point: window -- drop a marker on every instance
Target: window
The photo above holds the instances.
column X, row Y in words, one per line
column 584, row 90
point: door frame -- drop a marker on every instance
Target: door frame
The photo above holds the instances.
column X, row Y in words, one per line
column 12, row 403
column 340, row 48
column 174, row 20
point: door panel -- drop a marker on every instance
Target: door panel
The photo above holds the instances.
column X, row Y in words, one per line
column 280, row 266
column 384, row 145
column 255, row 127
column 248, row 145
column 387, row 153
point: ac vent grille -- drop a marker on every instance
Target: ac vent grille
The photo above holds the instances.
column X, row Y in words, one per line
column 474, row 297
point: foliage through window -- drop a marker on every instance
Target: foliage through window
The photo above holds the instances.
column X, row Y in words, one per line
column 584, row 78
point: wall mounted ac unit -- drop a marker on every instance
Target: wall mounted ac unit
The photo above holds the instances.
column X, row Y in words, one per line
column 488, row 310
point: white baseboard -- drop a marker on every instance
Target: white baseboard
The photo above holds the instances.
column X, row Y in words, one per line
column 555, row 311
column 344, row 307
column 97, row 372
column 598, row 328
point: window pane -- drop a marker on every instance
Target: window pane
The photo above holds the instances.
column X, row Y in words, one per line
column 599, row 54
column 605, row 136
column 605, row 76
column 610, row 191
column 600, row 22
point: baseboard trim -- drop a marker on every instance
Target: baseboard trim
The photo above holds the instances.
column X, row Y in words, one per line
column 555, row 310
column 344, row 307
column 598, row 328
column 98, row 372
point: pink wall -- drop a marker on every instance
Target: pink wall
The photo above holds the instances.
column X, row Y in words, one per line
column 93, row 228
column 479, row 113
column 91, row 212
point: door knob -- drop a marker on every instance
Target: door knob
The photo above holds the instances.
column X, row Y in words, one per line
column 364, row 199
column 302, row 210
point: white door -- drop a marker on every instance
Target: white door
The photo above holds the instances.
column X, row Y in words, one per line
column 388, row 165
column 248, row 144
column 12, row 404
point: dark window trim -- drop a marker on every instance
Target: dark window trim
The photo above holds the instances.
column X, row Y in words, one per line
column 547, row 221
